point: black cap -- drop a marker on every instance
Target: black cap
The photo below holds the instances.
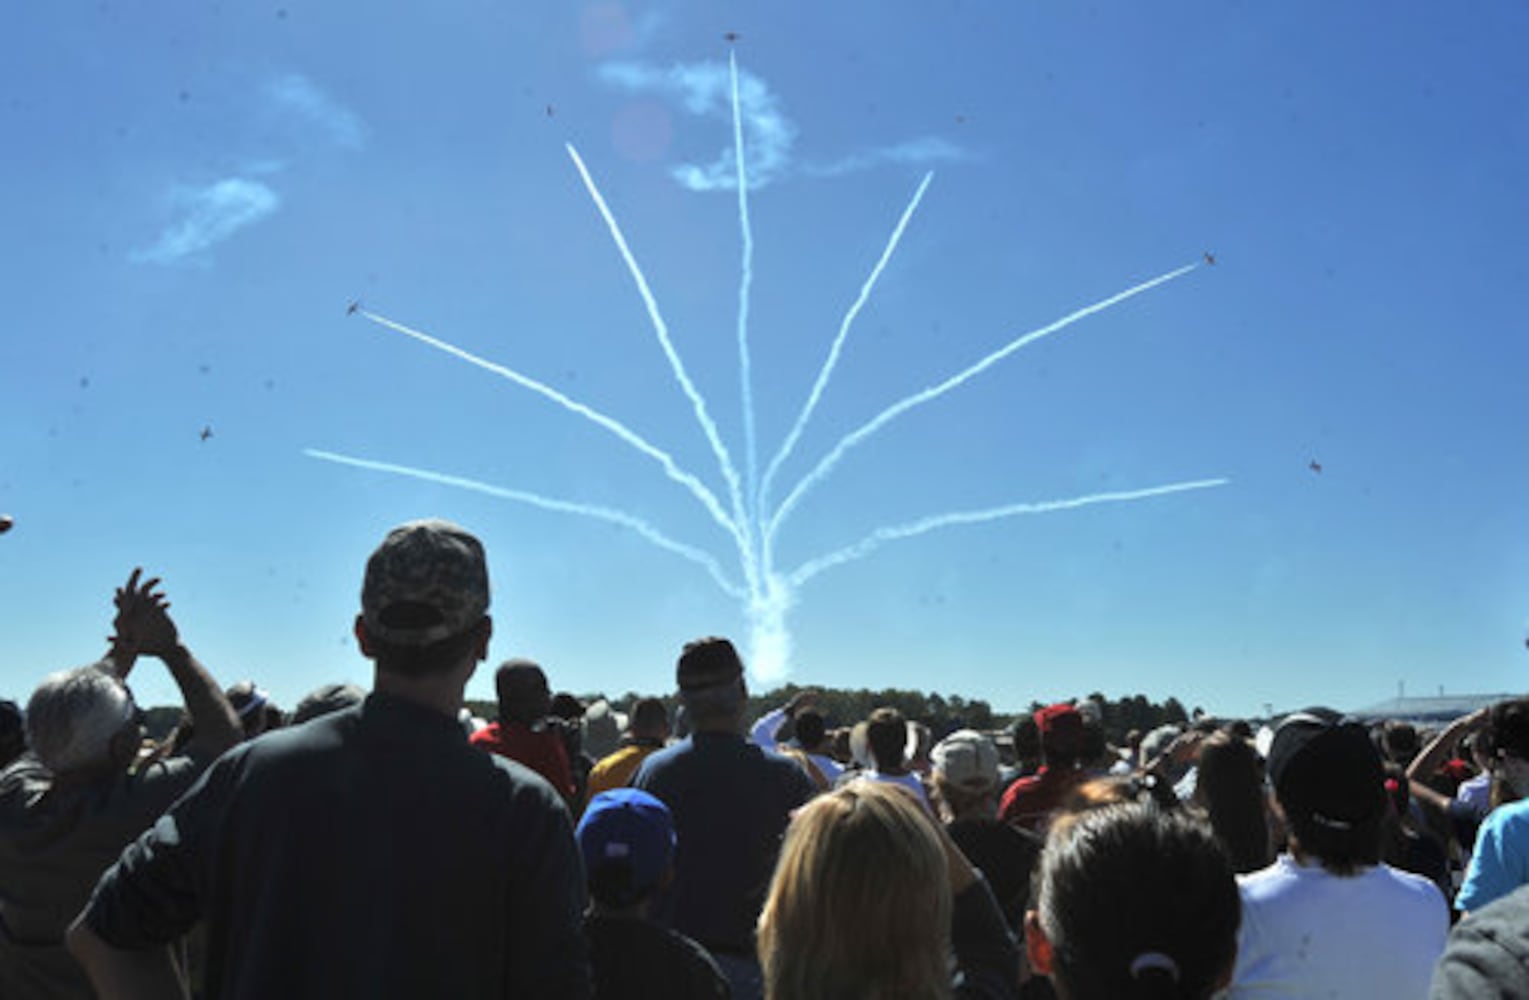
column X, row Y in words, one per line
column 1325, row 770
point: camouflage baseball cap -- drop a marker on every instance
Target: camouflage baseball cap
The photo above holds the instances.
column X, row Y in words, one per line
column 427, row 581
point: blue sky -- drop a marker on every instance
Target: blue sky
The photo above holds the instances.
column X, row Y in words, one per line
column 193, row 196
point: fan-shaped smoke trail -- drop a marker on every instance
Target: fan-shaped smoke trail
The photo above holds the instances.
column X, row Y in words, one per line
column 765, row 596
column 616, row 427
column 881, row 536
column 621, row 517
column 855, row 437
column 832, row 360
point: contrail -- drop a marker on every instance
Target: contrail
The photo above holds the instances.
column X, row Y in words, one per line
column 616, row 427
column 621, row 517
column 826, row 465
column 881, row 536
column 765, row 597
column 745, row 281
column 697, row 401
column 833, row 353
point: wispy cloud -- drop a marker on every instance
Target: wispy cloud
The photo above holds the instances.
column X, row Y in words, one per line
column 704, row 90
column 301, row 96
column 212, row 214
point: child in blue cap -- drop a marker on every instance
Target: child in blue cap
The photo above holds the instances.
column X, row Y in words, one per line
column 627, row 839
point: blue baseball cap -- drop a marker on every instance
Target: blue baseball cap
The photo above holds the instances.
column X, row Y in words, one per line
column 627, row 839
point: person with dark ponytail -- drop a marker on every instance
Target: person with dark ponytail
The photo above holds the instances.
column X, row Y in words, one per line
column 1229, row 786
column 1133, row 901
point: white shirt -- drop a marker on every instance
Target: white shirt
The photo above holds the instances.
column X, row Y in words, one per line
column 763, row 733
column 909, row 781
column 1476, row 792
column 1309, row 933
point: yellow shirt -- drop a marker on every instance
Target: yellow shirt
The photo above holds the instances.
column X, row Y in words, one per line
column 616, row 770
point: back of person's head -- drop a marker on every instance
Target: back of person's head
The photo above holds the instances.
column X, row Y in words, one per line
column 964, row 769
column 860, row 902
column 1229, row 786
column 1399, row 741
column 650, row 720
column 521, row 687
column 1061, row 728
column 75, row 715
column 326, row 699
column 1027, row 740
column 252, row 703
column 1132, row 901
column 1093, row 746
column 566, row 705
column 13, row 736
column 1476, row 748
column 886, row 734
column 602, row 726
column 1329, row 782
column 627, row 839
column 424, row 600
column 709, row 675
column 810, row 728
column 1507, row 732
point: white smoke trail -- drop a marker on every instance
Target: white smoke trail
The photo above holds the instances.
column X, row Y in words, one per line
column 621, row 517
column 826, row 465
column 769, row 635
column 616, row 427
column 745, row 281
column 833, row 352
column 881, row 536
column 661, row 329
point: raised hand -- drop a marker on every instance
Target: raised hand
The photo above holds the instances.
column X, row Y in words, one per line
column 143, row 624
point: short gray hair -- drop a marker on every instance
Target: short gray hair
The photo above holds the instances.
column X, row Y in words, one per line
column 73, row 716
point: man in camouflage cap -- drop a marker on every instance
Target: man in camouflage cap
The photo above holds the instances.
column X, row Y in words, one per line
column 371, row 852
column 428, row 580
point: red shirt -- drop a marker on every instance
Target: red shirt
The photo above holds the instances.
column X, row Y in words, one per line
column 541, row 750
column 1029, row 802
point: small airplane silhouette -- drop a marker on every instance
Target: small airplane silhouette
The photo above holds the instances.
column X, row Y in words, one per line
column 350, row 310
column 551, row 111
column 731, row 36
column 206, row 432
column 1210, row 258
column 1315, row 466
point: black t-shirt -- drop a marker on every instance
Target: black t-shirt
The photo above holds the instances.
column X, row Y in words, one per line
column 633, row 959
column 1006, row 856
column 368, row 853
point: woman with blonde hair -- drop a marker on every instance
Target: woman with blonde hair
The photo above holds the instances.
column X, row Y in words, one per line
column 871, row 899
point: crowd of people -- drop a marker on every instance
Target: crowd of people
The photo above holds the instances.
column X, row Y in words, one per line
column 387, row 843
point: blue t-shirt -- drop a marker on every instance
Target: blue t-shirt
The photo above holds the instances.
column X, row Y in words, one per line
column 731, row 801
column 1500, row 862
